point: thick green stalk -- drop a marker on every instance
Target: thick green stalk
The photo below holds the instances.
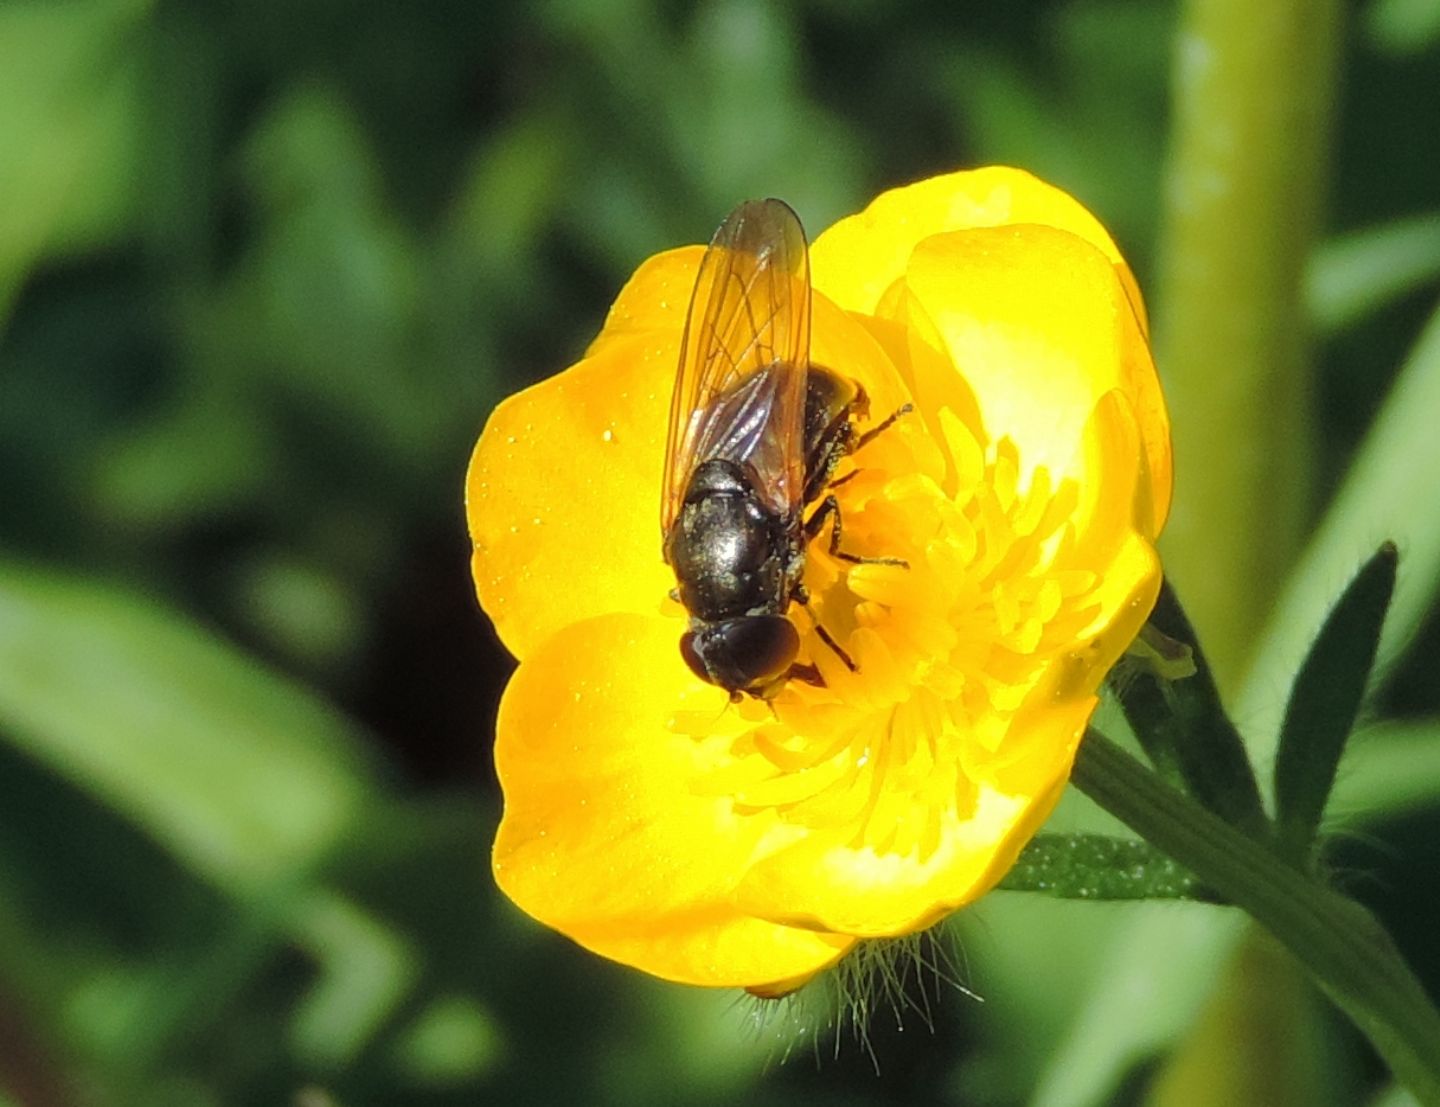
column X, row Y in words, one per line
column 1337, row 940
column 1254, row 87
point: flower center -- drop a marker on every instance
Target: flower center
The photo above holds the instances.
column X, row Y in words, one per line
column 947, row 648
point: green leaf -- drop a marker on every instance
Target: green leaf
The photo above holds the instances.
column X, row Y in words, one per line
column 1388, row 495
column 1324, row 701
column 1182, row 724
column 71, row 128
column 367, row 970
column 1390, row 768
column 243, row 777
column 1402, row 27
column 1098, row 866
column 1352, row 276
column 1344, row 948
column 1150, row 982
column 1395, row 1096
column 453, row 1041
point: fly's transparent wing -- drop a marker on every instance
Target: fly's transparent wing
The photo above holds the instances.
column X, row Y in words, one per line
column 740, row 388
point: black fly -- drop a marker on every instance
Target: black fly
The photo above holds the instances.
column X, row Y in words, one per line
column 755, row 434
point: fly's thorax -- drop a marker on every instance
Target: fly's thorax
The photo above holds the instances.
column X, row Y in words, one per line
column 732, row 555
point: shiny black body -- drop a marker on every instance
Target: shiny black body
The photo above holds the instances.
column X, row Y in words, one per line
column 739, row 563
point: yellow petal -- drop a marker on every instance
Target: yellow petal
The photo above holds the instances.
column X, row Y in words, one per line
column 1130, row 582
column 1037, row 323
column 726, row 845
column 843, row 344
column 835, row 886
column 857, row 259
column 655, row 298
column 608, row 835
column 563, row 494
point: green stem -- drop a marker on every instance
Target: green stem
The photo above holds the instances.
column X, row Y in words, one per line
column 1346, row 950
column 1253, row 91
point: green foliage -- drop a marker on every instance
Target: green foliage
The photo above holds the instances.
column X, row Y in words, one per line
column 1099, row 867
column 1182, row 724
column 1325, row 700
column 265, row 268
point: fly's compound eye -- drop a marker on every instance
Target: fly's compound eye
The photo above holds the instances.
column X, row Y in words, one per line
column 751, row 652
column 691, row 654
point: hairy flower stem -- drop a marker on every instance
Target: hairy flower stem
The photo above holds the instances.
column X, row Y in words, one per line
column 1348, row 953
column 1253, row 92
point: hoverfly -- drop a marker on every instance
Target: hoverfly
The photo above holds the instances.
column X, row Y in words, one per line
column 755, row 433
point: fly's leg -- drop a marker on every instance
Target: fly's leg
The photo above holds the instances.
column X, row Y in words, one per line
column 882, row 426
column 806, row 674
column 829, row 508
column 839, row 651
column 864, row 439
column 829, row 511
column 802, row 597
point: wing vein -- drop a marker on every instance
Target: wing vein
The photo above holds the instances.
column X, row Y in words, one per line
column 740, row 385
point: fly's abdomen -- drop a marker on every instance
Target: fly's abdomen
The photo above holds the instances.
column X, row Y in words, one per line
column 830, row 402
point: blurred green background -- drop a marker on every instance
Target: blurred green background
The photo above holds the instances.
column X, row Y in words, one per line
column 265, row 268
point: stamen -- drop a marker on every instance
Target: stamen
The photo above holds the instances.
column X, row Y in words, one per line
column 895, row 746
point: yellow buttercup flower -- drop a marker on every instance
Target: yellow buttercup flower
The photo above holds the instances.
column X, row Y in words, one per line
column 754, row 844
